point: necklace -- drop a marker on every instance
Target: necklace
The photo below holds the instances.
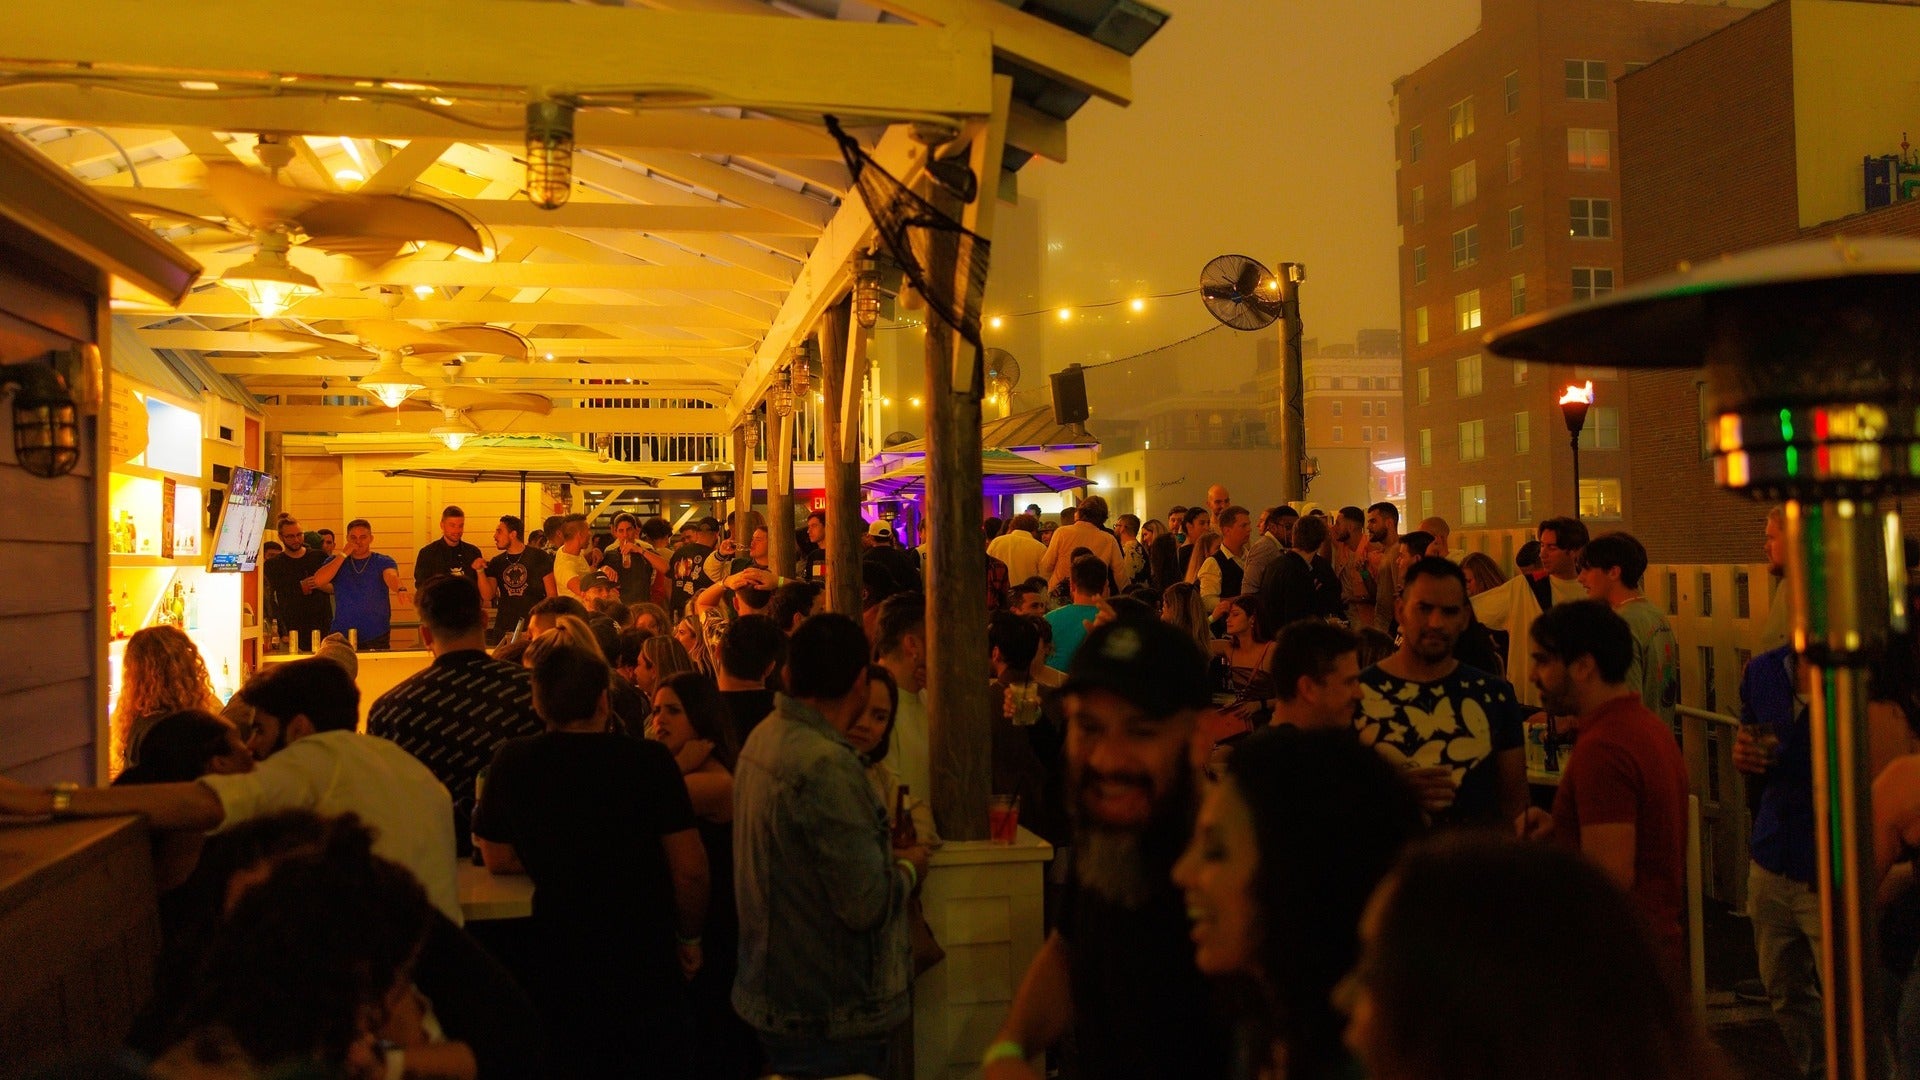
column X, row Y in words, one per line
column 362, row 568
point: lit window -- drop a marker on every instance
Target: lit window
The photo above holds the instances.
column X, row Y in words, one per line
column 1336, row 434
column 1589, row 149
column 1603, row 428
column 1420, row 325
column 1519, row 373
column 1423, row 383
column 1516, row 227
column 1466, row 247
column 1460, row 120
column 1426, row 504
column 1466, row 185
column 1591, row 281
column 1590, row 219
column 1473, row 504
column 1600, row 498
column 1466, row 376
column 1522, row 432
column 1419, row 265
column 1417, row 204
column 1426, row 446
column 1513, row 161
column 1416, row 144
column 1466, row 309
column 1513, row 92
column 1587, row 80
column 1523, row 500
column 1473, row 440
column 1517, row 291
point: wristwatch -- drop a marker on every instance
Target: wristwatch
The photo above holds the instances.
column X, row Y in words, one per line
column 63, row 797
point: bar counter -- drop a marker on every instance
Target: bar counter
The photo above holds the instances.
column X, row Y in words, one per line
column 380, row 671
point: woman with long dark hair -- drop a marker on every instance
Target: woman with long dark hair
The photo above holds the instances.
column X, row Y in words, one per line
column 1285, row 852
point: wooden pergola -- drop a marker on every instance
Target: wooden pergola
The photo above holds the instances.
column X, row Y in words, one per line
column 712, row 227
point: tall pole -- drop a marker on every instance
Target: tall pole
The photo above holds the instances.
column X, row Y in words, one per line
column 780, row 539
column 1574, row 441
column 1293, row 428
column 840, row 469
column 742, row 487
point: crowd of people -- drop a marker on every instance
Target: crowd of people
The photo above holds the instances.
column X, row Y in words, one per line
column 1280, row 756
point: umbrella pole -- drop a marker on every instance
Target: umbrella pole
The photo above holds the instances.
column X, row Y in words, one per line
column 523, row 499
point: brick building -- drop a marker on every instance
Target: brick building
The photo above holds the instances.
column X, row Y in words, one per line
column 1749, row 137
column 1509, row 201
column 1353, row 402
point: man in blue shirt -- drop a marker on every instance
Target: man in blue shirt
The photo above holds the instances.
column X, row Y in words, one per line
column 1087, row 578
column 362, row 583
column 1775, row 747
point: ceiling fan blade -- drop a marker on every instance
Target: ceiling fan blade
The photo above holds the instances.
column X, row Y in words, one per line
column 372, row 250
column 475, row 399
column 254, row 199
column 317, row 346
column 338, row 223
column 137, row 208
column 491, row 340
column 387, row 335
column 409, row 405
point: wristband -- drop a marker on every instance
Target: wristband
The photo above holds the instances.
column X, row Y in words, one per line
column 63, row 798
column 687, row 942
column 913, row 874
column 1004, row 1050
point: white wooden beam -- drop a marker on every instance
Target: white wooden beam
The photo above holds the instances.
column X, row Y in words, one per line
column 565, row 348
column 224, row 302
column 404, row 167
column 333, row 419
column 1030, row 41
column 78, row 149
column 625, row 274
column 520, row 374
column 736, row 185
column 797, row 65
column 1032, row 130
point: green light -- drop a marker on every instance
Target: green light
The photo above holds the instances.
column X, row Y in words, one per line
column 1793, row 459
column 1786, row 424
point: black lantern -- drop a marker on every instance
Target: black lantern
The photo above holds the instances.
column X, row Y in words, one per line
column 46, row 427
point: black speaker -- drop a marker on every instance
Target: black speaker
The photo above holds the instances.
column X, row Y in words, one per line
column 1069, row 395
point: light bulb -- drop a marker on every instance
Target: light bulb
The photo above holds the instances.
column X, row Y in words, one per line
column 423, row 291
column 453, row 437
column 268, row 282
column 915, row 402
column 996, row 322
column 1065, row 314
column 1138, row 305
column 549, row 153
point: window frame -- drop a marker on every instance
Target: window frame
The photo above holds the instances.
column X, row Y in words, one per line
column 1516, row 227
column 1593, row 287
column 1469, row 376
column 1584, row 160
column 1460, row 125
column 1466, row 246
column 1463, row 183
column 1420, row 265
column 1591, row 88
column 1523, row 431
column 1582, row 209
column 1473, row 504
column 1468, row 313
column 1511, row 88
column 1472, row 440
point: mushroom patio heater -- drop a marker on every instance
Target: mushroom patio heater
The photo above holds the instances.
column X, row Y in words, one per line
column 1812, row 359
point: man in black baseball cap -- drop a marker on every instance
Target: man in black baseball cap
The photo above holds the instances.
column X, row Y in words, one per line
column 1119, row 969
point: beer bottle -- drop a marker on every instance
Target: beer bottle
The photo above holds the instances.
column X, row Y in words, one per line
column 904, row 834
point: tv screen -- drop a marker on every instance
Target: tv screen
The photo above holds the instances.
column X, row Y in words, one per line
column 243, row 523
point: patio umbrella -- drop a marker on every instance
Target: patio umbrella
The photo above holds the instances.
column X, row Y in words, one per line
column 523, row 458
column 1003, row 472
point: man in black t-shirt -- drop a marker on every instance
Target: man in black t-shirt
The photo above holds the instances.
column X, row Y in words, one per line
column 1138, row 1004
column 516, row 579
column 449, row 555
column 632, row 561
column 603, row 825
column 688, row 564
column 300, row 606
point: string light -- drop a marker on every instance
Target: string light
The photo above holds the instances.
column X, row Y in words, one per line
column 996, row 323
column 1065, row 313
column 1137, row 304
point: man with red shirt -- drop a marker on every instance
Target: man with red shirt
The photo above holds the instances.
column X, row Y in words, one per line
column 1623, row 797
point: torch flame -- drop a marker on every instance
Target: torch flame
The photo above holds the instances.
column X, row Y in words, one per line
column 1577, row 394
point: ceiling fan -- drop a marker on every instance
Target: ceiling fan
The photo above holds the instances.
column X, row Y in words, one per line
column 372, row 228
column 391, row 342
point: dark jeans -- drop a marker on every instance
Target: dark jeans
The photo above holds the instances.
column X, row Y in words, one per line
column 821, row 1057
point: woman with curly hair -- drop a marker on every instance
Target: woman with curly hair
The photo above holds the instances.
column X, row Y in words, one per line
column 161, row 673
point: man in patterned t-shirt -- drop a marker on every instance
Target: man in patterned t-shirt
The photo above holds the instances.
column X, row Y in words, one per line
column 452, row 716
column 1456, row 729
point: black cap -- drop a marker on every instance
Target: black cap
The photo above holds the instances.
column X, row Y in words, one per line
column 1153, row 665
column 596, row 577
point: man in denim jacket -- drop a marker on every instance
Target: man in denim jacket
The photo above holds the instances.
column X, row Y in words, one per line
column 825, row 962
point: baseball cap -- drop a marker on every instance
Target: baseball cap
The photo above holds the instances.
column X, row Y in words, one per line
column 595, row 578
column 1153, row 665
column 880, row 529
column 707, row 524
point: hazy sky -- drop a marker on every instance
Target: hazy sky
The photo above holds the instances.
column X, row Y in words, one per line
column 1258, row 126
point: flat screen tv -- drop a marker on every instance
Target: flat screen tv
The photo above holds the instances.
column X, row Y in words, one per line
column 243, row 523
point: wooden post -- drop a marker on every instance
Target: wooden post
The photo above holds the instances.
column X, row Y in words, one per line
column 780, row 542
column 841, row 469
column 742, row 487
column 958, row 718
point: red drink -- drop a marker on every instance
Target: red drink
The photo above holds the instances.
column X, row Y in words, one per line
column 1003, row 818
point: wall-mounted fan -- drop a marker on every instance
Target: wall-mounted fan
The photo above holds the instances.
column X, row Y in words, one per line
column 898, row 437
column 1240, row 292
column 1003, row 373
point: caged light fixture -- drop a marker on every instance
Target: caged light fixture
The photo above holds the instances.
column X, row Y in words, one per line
column 780, row 396
column 46, row 426
column 549, row 153
column 866, row 291
column 798, row 374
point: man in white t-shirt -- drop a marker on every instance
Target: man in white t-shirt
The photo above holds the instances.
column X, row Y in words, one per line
column 305, row 712
column 569, row 560
column 1514, row 605
column 900, row 646
column 1020, row 548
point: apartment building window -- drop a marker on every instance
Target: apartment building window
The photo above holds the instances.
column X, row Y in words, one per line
column 1420, row 325
column 1337, row 433
column 1589, row 149
column 1516, row 227
column 1473, row 504
column 1587, row 80
column 1590, row 219
column 1513, row 92
column 1460, row 120
column 1473, row 440
column 1600, row 497
column 1426, row 446
column 1466, row 184
column 1517, row 298
column 1366, row 408
column 1591, row 281
column 1379, row 408
column 1513, row 161
column 1466, row 376
column 1466, row 247
column 1416, row 144
column 1379, row 434
column 1712, row 702
column 1523, row 432
column 1519, row 373
column 1338, row 406
column 1523, row 500
column 1426, row 504
column 1366, row 434
column 1706, row 594
column 1417, row 204
column 1419, row 265
column 1423, row 384
column 1466, row 309
column 1603, row 428
column 1673, row 593
column 1742, row 595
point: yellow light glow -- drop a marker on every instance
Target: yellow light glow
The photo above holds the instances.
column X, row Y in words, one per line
column 1065, row 314
column 194, row 84
column 886, row 401
column 915, row 402
column 1138, row 305
column 996, row 322
column 343, row 177
column 818, row 396
column 549, row 356
column 423, row 291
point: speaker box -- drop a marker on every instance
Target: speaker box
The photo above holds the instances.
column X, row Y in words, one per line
column 1069, row 396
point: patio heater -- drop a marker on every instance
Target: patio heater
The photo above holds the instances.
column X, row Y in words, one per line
column 1812, row 359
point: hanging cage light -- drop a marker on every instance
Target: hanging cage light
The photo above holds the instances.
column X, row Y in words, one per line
column 798, row 375
column 780, row 395
column 46, row 426
column 866, row 291
column 549, row 153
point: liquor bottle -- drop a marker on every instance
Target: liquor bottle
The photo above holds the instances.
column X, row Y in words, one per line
column 479, row 786
column 132, row 546
column 125, row 605
column 193, row 608
column 904, row 834
column 224, row 688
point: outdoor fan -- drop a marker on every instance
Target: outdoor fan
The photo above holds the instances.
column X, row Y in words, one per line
column 1240, row 292
column 375, row 337
column 1003, row 373
column 898, row 437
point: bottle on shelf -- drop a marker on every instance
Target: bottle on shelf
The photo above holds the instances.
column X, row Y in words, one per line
column 193, row 608
column 126, row 605
column 132, row 545
column 904, row 834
